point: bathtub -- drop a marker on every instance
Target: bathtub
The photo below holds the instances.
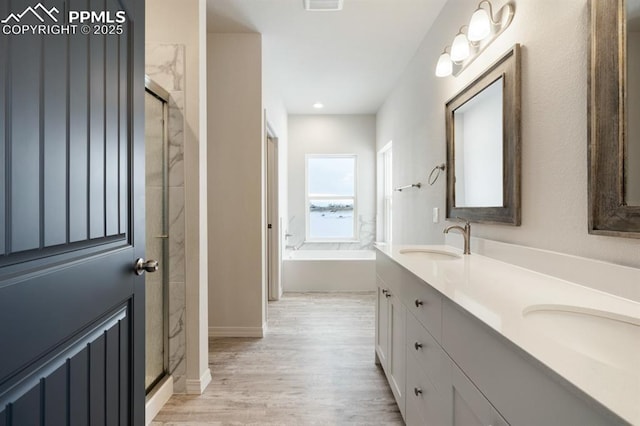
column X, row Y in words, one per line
column 329, row 270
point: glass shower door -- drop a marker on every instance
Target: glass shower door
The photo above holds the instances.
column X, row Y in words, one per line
column 156, row 315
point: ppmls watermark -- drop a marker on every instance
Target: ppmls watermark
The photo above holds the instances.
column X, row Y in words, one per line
column 40, row 20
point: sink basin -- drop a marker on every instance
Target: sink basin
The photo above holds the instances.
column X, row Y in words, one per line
column 432, row 254
column 604, row 336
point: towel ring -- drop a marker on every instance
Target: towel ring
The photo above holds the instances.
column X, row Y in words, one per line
column 437, row 169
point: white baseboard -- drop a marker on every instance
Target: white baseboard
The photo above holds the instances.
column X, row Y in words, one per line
column 157, row 398
column 197, row 386
column 236, row 331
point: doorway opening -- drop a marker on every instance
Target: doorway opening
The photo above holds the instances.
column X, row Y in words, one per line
column 273, row 241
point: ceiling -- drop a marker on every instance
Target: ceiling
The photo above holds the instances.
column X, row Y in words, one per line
column 348, row 60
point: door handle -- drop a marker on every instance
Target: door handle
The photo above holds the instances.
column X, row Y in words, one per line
column 141, row 266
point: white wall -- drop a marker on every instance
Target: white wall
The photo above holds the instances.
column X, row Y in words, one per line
column 168, row 22
column 332, row 134
column 235, row 188
column 555, row 42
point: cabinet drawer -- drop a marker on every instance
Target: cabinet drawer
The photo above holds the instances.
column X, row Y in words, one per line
column 429, row 355
column 425, row 405
column 425, row 303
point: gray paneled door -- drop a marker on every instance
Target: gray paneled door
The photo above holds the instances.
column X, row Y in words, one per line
column 71, row 216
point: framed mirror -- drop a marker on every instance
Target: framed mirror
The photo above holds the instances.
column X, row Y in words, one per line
column 614, row 118
column 483, row 146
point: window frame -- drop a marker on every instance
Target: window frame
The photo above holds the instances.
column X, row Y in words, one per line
column 385, row 192
column 307, row 199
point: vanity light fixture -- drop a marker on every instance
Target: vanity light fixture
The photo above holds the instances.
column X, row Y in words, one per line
column 444, row 66
column 480, row 24
column 318, row 105
column 483, row 28
column 460, row 47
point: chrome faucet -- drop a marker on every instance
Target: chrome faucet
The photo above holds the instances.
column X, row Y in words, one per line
column 466, row 233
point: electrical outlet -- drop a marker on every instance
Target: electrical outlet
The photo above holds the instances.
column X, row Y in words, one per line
column 436, row 215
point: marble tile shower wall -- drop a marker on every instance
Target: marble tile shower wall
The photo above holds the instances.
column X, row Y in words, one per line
column 366, row 233
column 165, row 64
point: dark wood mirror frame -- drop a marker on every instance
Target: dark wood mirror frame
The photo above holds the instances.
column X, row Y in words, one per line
column 608, row 212
column 508, row 66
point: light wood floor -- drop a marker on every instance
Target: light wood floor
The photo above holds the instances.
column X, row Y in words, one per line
column 315, row 366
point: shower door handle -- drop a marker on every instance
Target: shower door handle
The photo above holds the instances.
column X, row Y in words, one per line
column 141, row 266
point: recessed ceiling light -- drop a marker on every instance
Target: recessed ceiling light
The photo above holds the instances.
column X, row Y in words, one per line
column 318, row 105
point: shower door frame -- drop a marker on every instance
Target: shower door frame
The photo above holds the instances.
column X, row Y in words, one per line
column 162, row 95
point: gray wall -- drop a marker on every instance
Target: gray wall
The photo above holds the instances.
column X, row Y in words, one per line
column 235, row 191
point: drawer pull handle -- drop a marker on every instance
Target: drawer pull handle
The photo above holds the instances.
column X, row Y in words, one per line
column 417, row 391
column 387, row 294
column 419, row 303
column 417, row 345
column 385, row 291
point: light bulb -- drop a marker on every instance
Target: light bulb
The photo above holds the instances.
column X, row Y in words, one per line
column 460, row 48
column 479, row 26
column 444, row 67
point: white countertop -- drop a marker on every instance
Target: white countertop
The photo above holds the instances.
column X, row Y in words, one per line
column 499, row 293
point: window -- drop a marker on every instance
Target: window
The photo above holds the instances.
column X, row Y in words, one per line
column 331, row 198
column 385, row 192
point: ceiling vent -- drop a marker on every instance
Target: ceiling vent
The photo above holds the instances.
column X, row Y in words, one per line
column 323, row 5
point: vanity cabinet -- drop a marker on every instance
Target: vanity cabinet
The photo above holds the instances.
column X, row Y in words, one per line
column 425, row 404
column 468, row 407
column 382, row 324
column 427, row 354
column 397, row 353
column 523, row 390
column 446, row 367
column 390, row 340
column 438, row 392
